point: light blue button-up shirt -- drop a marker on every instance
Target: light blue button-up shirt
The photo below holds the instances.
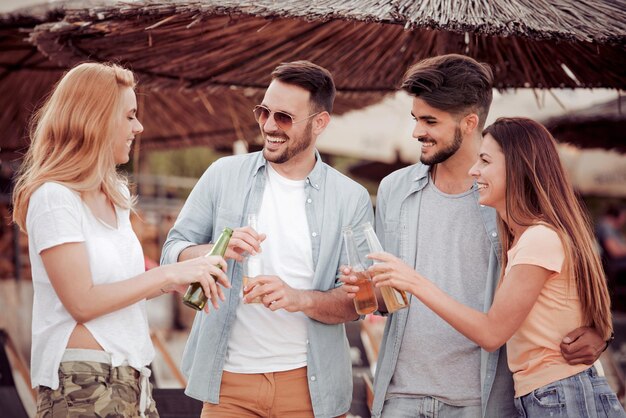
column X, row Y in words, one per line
column 228, row 190
column 397, row 212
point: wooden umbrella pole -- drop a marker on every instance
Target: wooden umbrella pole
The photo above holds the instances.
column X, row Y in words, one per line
column 18, row 361
column 157, row 340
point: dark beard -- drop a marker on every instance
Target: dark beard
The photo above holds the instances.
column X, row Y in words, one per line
column 297, row 149
column 445, row 153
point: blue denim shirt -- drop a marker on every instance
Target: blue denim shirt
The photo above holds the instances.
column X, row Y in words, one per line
column 396, row 224
column 228, row 190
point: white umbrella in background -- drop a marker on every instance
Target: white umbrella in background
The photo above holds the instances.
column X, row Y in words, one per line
column 595, row 171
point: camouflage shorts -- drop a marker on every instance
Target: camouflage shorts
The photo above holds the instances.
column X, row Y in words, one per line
column 89, row 389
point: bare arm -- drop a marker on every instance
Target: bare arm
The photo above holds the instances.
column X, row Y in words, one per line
column 513, row 301
column 68, row 269
column 329, row 307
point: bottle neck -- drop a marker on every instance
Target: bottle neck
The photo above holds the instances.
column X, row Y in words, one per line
column 351, row 251
column 222, row 243
column 372, row 240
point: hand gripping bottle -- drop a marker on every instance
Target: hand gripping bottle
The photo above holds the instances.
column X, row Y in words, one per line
column 365, row 300
column 195, row 297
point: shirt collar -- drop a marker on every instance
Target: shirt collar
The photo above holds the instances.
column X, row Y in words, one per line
column 314, row 178
column 421, row 171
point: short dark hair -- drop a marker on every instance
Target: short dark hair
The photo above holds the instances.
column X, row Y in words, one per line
column 315, row 79
column 452, row 83
column 614, row 211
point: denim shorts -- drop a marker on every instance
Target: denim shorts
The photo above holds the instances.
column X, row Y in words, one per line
column 584, row 395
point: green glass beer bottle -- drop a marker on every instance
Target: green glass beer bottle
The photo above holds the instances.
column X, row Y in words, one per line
column 195, row 297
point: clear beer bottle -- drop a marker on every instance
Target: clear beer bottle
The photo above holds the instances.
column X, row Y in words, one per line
column 365, row 300
column 252, row 265
column 394, row 299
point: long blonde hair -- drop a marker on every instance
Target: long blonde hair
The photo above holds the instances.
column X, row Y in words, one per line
column 537, row 190
column 71, row 137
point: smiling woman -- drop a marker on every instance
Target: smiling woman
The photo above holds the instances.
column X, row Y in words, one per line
column 91, row 342
column 129, row 125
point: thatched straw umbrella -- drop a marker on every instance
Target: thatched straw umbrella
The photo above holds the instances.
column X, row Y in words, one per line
column 367, row 44
column 173, row 117
column 599, row 126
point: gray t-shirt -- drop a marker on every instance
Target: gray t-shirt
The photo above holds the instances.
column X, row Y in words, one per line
column 453, row 252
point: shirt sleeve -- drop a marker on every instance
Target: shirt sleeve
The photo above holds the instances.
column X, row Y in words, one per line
column 539, row 246
column 54, row 217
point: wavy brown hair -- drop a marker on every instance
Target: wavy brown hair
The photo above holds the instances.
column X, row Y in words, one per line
column 538, row 190
column 71, row 137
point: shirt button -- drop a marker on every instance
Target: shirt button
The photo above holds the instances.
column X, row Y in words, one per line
column 307, row 341
column 312, row 378
column 494, row 234
column 482, row 206
column 308, row 200
column 314, row 234
column 317, row 187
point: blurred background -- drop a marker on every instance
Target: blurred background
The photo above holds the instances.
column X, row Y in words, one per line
column 203, row 65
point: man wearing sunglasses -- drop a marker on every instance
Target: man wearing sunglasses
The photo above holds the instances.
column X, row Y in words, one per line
column 289, row 356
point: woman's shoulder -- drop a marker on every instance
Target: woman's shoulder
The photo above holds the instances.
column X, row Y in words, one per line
column 55, row 192
column 541, row 234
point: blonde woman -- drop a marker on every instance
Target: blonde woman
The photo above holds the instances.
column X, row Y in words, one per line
column 551, row 282
column 90, row 342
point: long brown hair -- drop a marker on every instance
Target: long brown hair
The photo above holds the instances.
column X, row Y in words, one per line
column 71, row 137
column 538, row 190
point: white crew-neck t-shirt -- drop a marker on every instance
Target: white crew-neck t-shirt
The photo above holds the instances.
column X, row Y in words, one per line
column 57, row 215
column 264, row 341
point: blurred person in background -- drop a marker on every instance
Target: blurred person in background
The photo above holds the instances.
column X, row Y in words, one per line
column 610, row 235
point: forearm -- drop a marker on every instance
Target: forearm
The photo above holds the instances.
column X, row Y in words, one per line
column 194, row 251
column 329, row 307
column 102, row 299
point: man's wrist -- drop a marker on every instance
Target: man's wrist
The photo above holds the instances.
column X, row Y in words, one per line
column 305, row 300
column 609, row 341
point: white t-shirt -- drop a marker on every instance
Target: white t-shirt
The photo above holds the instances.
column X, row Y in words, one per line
column 264, row 341
column 57, row 215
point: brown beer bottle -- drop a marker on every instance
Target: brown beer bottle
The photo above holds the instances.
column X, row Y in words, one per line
column 195, row 297
column 365, row 300
column 394, row 299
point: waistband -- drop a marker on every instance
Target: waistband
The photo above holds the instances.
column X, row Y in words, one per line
column 81, row 354
column 98, row 356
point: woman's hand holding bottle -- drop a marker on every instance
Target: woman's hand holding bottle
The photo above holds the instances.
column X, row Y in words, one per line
column 208, row 271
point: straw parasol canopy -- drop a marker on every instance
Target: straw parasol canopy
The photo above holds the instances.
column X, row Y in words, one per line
column 367, row 44
column 599, row 126
column 172, row 117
